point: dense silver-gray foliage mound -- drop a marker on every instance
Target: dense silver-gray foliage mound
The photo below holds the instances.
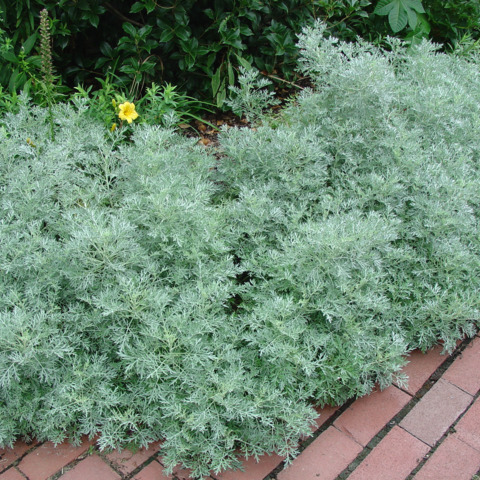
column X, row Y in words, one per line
column 152, row 291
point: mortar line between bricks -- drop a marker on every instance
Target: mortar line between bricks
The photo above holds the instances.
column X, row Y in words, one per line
column 307, row 441
column 112, row 465
column 460, row 388
column 138, row 469
column 69, row 466
column 467, row 444
column 13, row 467
column 26, row 477
column 434, row 377
column 449, row 359
column 352, row 466
column 449, row 431
column 437, row 446
column 19, row 459
column 395, row 421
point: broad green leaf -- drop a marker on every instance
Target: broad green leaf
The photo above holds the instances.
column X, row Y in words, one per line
column 93, row 19
column 137, row 7
column 129, row 29
column 415, row 5
column 397, row 18
column 150, row 6
column 384, row 6
column 400, row 12
column 29, row 43
column 106, row 49
column 167, row 35
column 10, row 56
column 244, row 62
column 183, row 33
column 412, row 18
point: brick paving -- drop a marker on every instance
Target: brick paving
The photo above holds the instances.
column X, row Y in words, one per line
column 433, row 415
column 428, row 430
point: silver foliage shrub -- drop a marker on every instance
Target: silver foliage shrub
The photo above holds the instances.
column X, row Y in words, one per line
column 152, row 291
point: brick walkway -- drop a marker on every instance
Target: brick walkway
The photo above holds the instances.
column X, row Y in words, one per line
column 429, row 431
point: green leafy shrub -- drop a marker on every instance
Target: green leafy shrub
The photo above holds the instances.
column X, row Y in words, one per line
column 196, row 44
column 451, row 20
column 151, row 290
column 200, row 46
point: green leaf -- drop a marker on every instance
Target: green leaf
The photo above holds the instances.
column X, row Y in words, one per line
column 106, row 49
column 93, row 19
column 412, row 18
column 416, row 5
column 209, row 13
column 29, row 43
column 245, row 31
column 167, row 35
column 244, row 62
column 400, row 12
column 150, row 6
column 10, row 56
column 183, row 33
column 231, row 75
column 129, row 29
column 221, row 95
column 397, row 18
column 137, row 7
column 145, row 31
column 232, row 38
column 383, row 7
column 216, row 81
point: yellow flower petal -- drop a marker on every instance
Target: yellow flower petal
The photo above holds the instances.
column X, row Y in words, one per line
column 127, row 112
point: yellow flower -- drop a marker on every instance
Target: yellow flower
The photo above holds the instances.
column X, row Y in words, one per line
column 127, row 112
column 113, row 127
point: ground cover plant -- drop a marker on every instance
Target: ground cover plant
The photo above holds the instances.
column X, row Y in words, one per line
column 153, row 290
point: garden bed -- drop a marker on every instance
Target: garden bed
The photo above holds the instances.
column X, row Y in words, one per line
column 150, row 291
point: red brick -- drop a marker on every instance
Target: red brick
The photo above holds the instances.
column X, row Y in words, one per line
column 436, row 411
column 452, row 459
column 468, row 428
column 11, row 474
column 92, row 467
column 369, row 414
column 10, row 455
column 393, row 458
column 181, row 473
column 253, row 470
column 465, row 370
column 324, row 458
column 127, row 461
column 421, row 366
column 153, row 471
column 47, row 459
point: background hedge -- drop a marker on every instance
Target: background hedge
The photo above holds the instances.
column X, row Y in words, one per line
column 199, row 44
